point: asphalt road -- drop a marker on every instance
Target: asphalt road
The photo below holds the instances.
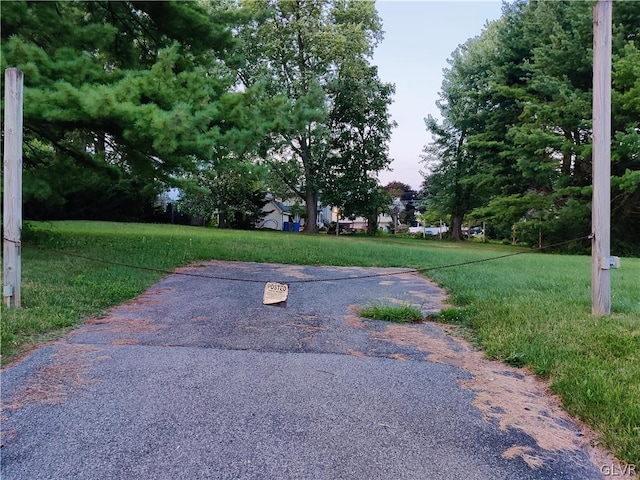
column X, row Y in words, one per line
column 197, row 379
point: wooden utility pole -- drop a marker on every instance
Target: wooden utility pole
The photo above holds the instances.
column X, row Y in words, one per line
column 601, row 160
column 12, row 215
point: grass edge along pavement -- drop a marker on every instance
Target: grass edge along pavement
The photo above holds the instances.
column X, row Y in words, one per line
column 391, row 313
column 532, row 309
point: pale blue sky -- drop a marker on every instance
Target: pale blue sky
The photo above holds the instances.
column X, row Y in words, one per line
column 419, row 38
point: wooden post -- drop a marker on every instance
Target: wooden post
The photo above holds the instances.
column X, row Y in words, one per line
column 12, row 215
column 601, row 206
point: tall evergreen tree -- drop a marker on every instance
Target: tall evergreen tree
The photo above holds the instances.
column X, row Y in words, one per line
column 461, row 151
column 526, row 153
column 127, row 87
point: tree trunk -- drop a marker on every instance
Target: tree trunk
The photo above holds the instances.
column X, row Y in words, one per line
column 461, row 196
column 311, row 200
column 565, row 167
column 457, row 227
column 372, row 224
column 395, row 213
column 100, row 146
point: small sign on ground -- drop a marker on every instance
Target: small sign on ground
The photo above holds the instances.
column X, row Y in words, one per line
column 275, row 294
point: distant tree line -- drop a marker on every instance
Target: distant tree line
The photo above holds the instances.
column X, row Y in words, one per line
column 229, row 99
column 513, row 147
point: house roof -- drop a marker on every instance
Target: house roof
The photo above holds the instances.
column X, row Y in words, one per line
column 283, row 208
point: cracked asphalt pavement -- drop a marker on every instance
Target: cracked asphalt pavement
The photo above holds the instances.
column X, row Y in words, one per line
column 197, row 379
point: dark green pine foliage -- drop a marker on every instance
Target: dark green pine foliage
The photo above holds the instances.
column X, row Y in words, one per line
column 524, row 136
column 119, row 97
column 462, row 171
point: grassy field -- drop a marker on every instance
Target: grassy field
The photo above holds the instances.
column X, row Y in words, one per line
column 532, row 309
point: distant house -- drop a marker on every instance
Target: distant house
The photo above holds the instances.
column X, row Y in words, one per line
column 276, row 215
column 385, row 221
column 360, row 224
column 429, row 230
column 280, row 213
column 325, row 215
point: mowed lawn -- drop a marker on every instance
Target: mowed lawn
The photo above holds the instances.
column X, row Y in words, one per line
column 529, row 310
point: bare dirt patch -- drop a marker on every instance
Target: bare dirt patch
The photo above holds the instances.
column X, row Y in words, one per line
column 142, row 302
column 354, row 321
column 53, row 383
column 355, row 353
column 398, row 356
column 293, row 271
column 512, row 397
column 534, row 461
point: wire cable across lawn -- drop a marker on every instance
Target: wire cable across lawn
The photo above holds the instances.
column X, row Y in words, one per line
column 312, row 280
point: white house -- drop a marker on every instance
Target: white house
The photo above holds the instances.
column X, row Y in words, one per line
column 385, row 222
column 277, row 213
column 429, row 230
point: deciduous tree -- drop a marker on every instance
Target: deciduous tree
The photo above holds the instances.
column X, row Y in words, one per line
column 312, row 54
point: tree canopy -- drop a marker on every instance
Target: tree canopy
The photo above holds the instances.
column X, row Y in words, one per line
column 135, row 96
column 116, row 88
column 330, row 126
column 123, row 99
column 514, row 143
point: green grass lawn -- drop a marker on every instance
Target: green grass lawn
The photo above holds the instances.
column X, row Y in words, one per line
column 532, row 309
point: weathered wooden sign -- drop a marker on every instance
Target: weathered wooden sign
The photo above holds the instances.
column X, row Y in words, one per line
column 275, row 294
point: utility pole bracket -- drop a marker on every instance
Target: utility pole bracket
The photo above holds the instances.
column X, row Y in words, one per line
column 7, row 291
column 608, row 263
